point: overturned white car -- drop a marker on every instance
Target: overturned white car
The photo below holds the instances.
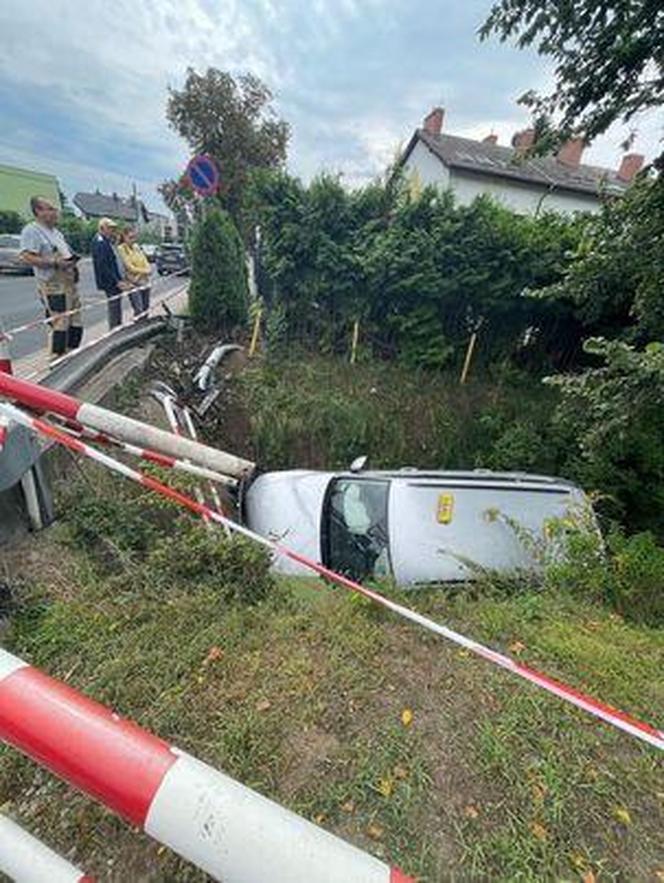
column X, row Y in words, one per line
column 415, row 526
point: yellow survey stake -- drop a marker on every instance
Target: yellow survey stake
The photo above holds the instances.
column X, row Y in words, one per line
column 445, row 508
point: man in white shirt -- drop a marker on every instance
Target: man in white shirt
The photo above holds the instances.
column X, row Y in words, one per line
column 54, row 265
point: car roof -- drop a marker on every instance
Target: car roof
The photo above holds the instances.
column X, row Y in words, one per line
column 475, row 476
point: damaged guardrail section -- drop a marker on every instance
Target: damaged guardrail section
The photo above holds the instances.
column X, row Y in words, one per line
column 82, row 414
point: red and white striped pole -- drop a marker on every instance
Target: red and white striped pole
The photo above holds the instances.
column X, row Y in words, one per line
column 5, row 357
column 40, row 398
column 151, row 456
column 5, row 368
column 225, row 829
column 25, row 859
column 607, row 713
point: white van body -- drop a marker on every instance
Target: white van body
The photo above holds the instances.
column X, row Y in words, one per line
column 416, row 526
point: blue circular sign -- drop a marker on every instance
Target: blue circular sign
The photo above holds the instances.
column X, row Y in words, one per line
column 203, row 174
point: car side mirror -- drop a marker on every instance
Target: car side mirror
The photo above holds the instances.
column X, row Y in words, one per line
column 359, row 463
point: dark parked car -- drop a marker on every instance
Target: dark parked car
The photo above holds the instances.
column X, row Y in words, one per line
column 10, row 252
column 170, row 259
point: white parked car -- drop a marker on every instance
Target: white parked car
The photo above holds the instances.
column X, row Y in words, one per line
column 10, row 254
column 415, row 526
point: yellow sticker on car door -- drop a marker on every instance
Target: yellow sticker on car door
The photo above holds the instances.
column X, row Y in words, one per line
column 445, row 508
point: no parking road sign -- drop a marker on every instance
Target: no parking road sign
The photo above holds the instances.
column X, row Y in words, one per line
column 203, row 174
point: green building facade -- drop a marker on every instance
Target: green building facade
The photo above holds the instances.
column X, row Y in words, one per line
column 18, row 185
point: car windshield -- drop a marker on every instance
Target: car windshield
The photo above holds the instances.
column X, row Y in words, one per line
column 355, row 538
column 10, row 241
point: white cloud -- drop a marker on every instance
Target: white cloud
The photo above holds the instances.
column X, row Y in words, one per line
column 354, row 77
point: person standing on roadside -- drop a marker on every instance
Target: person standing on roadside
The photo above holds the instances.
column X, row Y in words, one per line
column 108, row 268
column 136, row 271
column 53, row 263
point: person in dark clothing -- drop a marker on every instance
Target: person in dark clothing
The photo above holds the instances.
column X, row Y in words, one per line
column 108, row 268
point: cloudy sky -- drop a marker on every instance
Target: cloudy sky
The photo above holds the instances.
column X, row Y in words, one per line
column 83, row 86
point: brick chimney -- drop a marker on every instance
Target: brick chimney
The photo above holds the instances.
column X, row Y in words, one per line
column 433, row 122
column 570, row 152
column 490, row 139
column 631, row 164
column 523, row 140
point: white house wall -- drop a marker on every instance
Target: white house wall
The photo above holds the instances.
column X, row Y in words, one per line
column 521, row 198
column 429, row 168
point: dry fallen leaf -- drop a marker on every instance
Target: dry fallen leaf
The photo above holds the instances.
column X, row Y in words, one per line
column 406, row 717
column 538, row 830
column 517, row 647
column 320, row 818
column 588, row 876
column 375, row 831
column 622, row 815
column 348, row 806
column 659, row 874
column 263, row 705
column 578, row 860
column 386, row 787
column 213, row 654
column 400, row 772
column 539, row 792
column 471, row 811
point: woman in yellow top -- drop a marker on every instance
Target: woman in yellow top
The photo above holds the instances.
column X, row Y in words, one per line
column 136, row 271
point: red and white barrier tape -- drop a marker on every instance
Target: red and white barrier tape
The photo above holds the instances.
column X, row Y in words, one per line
column 57, row 362
column 25, row 859
column 5, row 368
column 100, row 301
column 225, row 829
column 40, row 398
column 619, row 719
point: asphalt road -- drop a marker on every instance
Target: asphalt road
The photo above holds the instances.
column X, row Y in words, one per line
column 19, row 304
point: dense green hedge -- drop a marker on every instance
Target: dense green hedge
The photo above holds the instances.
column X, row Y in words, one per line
column 218, row 295
column 10, row 222
column 419, row 272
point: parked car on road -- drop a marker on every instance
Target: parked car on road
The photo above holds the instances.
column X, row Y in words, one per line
column 10, row 254
column 171, row 258
column 150, row 250
column 414, row 526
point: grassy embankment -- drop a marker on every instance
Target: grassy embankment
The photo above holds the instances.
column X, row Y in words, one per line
column 299, row 690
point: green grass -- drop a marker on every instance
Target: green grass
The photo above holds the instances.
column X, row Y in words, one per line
column 298, row 690
column 300, row 696
column 324, row 412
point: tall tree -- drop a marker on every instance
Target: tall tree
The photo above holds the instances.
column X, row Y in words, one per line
column 608, row 54
column 231, row 119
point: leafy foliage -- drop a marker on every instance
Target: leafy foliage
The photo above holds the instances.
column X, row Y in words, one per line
column 609, row 57
column 420, row 272
column 229, row 118
column 613, row 417
column 78, row 232
column 10, row 222
column 198, row 558
column 627, row 573
column 616, row 280
column 218, row 294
